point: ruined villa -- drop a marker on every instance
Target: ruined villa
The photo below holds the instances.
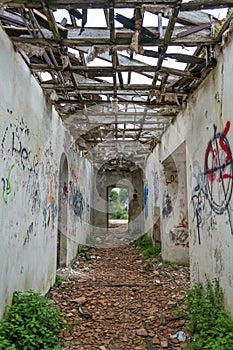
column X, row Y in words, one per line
column 104, row 94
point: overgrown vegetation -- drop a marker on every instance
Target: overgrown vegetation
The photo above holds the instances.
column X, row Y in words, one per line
column 118, row 204
column 31, row 323
column 145, row 244
column 210, row 325
column 81, row 250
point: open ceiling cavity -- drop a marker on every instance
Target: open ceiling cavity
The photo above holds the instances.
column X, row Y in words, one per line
column 119, row 82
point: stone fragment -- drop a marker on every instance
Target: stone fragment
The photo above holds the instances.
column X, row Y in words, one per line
column 156, row 341
column 164, row 343
column 142, row 332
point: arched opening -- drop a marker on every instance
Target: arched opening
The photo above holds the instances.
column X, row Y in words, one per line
column 118, row 207
column 62, row 213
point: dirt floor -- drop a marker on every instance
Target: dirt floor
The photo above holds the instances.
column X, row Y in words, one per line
column 115, row 300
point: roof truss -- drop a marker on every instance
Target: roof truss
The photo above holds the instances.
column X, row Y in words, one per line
column 118, row 84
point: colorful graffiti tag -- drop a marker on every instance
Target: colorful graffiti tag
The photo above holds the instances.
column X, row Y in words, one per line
column 218, row 170
column 8, row 190
column 146, row 193
column 214, row 185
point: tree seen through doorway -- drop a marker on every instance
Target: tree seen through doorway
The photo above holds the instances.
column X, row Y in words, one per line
column 118, row 204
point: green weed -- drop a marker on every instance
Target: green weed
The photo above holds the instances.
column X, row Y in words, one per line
column 81, row 250
column 145, row 244
column 31, row 323
column 210, row 325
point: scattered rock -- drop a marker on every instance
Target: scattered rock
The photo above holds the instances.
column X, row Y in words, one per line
column 164, row 344
column 142, row 332
column 123, row 298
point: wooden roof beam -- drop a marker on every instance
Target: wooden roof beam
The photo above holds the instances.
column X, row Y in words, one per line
column 62, row 4
column 95, row 71
column 195, row 5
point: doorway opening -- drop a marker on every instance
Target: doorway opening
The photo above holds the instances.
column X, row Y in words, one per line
column 62, row 213
column 118, row 207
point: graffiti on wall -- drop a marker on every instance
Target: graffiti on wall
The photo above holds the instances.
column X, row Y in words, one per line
column 29, row 234
column 9, row 187
column 180, row 236
column 212, row 190
column 76, row 201
column 156, row 186
column 218, row 170
column 17, row 155
column 50, row 208
column 146, row 204
column 14, row 144
column 167, row 205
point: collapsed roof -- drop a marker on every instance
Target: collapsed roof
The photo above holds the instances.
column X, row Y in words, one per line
column 118, row 72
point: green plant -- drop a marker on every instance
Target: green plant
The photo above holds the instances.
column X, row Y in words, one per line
column 210, row 325
column 31, row 323
column 81, row 250
column 145, row 244
column 170, row 264
column 58, row 280
column 90, row 239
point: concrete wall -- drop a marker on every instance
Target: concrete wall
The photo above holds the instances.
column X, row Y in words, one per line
column 33, row 142
column 134, row 182
column 205, row 128
column 167, row 205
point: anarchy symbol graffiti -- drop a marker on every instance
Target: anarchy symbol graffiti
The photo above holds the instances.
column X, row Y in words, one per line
column 219, row 173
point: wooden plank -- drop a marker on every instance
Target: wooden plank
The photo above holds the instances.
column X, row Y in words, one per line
column 66, row 4
column 153, row 104
column 121, row 44
column 99, row 32
column 94, row 71
column 194, row 30
column 193, row 17
column 205, row 4
column 53, row 4
column 11, row 18
column 98, row 87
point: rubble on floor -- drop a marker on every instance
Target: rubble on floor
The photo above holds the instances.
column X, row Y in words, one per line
column 114, row 302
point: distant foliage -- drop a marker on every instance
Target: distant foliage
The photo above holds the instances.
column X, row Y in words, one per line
column 118, row 205
column 31, row 323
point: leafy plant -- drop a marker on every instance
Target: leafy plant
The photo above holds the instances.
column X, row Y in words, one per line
column 81, row 250
column 31, row 323
column 58, row 280
column 170, row 264
column 210, row 325
column 145, row 244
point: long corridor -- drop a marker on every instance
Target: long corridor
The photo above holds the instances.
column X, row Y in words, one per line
column 115, row 300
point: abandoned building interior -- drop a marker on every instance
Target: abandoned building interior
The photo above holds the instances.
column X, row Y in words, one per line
column 115, row 93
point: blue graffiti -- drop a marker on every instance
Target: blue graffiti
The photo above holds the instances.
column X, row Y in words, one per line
column 146, row 193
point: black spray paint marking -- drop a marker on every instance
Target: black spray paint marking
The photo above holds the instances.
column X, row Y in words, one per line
column 167, row 205
column 218, row 170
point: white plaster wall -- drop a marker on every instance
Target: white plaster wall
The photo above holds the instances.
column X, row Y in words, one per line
column 206, row 126
column 168, row 202
column 33, row 139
